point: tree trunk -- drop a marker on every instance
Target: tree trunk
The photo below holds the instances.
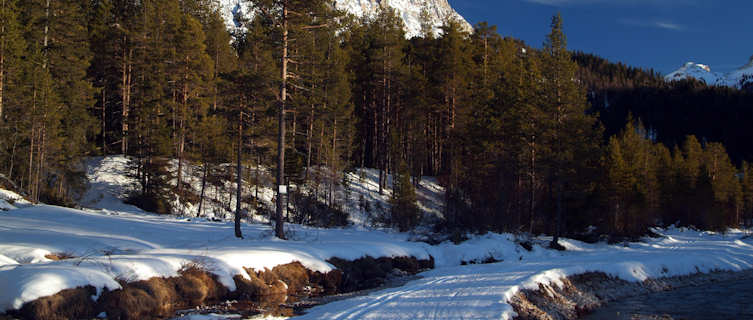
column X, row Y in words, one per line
column 558, row 218
column 182, row 130
column 203, row 186
column 532, row 174
column 310, row 132
column 279, row 229
column 309, row 142
column 125, row 87
column 239, row 170
column 13, row 155
column 333, row 163
column 2, row 67
column 104, row 121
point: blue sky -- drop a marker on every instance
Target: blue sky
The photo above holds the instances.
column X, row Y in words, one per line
column 659, row 34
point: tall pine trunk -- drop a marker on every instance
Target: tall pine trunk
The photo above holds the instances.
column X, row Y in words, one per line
column 279, row 229
column 182, row 128
column 239, row 173
column 532, row 175
column 203, row 186
column 125, row 88
column 2, row 68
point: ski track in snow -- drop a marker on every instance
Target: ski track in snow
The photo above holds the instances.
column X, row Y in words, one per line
column 481, row 291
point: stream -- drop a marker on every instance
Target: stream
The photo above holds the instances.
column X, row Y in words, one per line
column 730, row 299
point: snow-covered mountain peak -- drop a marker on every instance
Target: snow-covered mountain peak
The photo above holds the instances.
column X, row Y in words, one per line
column 408, row 10
column 703, row 73
column 694, row 70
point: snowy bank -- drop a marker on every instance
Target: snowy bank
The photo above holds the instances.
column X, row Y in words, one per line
column 484, row 291
column 111, row 246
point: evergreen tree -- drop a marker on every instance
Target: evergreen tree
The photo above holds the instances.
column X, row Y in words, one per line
column 726, row 189
column 692, row 198
column 12, row 88
column 193, row 67
column 747, row 194
column 404, row 210
column 60, row 97
column 634, row 188
column 568, row 130
column 11, row 45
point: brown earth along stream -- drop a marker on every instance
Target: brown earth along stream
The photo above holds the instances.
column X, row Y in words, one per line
column 272, row 291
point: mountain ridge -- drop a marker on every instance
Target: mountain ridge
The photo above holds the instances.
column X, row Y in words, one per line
column 736, row 78
column 408, row 10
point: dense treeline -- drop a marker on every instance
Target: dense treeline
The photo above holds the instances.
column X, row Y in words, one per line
column 509, row 130
column 669, row 110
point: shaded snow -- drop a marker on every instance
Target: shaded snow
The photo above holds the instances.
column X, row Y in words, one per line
column 115, row 242
column 111, row 181
column 129, row 246
column 10, row 200
column 482, row 291
column 112, row 246
column 703, row 73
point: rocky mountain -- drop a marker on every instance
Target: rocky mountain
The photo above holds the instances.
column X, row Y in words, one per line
column 409, row 10
column 703, row 72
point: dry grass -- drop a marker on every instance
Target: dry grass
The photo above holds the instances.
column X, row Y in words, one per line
column 295, row 275
column 67, row 304
column 60, row 256
column 159, row 298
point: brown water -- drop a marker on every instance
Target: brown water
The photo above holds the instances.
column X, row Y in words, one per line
column 732, row 299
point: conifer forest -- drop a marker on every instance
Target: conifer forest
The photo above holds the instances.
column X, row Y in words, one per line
column 523, row 137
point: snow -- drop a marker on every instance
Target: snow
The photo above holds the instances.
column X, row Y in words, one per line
column 408, row 10
column 210, row 316
column 110, row 246
column 111, row 181
column 482, row 291
column 703, row 73
column 364, row 183
column 112, row 242
column 697, row 71
column 10, row 200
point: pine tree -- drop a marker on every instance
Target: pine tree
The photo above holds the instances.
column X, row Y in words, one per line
column 404, row 210
column 634, row 188
column 453, row 75
column 568, row 130
column 193, row 67
column 60, row 97
column 12, row 88
column 747, row 193
column 11, row 44
column 522, row 122
column 287, row 18
column 692, row 199
column 726, row 189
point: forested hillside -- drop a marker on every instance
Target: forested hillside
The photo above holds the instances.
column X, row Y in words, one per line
column 670, row 110
column 524, row 140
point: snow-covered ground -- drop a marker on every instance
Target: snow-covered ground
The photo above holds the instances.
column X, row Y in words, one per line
column 111, row 242
column 482, row 291
column 111, row 181
column 111, row 246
